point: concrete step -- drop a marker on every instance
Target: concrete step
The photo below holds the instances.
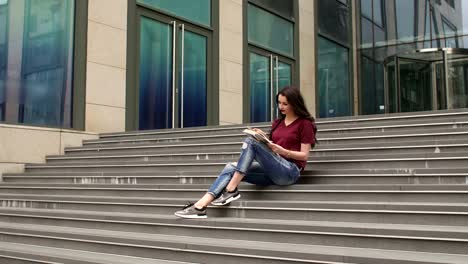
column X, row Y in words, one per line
column 430, row 178
column 309, row 176
column 97, row 158
column 439, row 160
column 378, row 193
column 208, row 249
column 13, row 253
column 415, row 146
column 420, row 213
column 207, row 135
column 375, row 235
column 403, row 135
column 214, row 144
column 357, row 123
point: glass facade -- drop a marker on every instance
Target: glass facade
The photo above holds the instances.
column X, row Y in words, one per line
column 270, row 31
column 3, row 56
column 334, row 90
column 173, row 68
column 271, row 55
column 391, row 82
column 198, row 11
column 333, row 79
column 36, row 62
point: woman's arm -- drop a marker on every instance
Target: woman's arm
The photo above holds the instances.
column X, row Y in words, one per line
column 289, row 154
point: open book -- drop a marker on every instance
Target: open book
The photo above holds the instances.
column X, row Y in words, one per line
column 257, row 135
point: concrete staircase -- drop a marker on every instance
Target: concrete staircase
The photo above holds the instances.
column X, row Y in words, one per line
column 377, row 189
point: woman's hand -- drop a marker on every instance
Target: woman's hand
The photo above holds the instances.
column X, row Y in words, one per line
column 258, row 131
column 277, row 149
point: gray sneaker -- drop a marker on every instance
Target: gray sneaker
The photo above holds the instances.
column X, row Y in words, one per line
column 190, row 211
column 226, row 197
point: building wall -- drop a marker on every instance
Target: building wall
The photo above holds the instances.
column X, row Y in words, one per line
column 307, row 53
column 230, row 62
column 25, row 144
column 106, row 65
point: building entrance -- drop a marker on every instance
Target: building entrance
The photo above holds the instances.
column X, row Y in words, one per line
column 427, row 79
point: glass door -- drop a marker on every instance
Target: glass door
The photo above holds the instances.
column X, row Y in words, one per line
column 173, row 83
column 415, row 86
column 409, row 85
column 268, row 74
column 192, row 78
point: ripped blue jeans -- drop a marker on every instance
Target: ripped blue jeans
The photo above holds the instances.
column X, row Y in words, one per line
column 259, row 165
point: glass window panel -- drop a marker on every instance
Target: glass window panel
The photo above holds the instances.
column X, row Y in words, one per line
column 366, row 33
column 462, row 23
column 283, row 7
column 405, row 17
column 449, row 29
column 284, row 75
column 3, row 56
column 155, row 75
column 379, row 36
column 270, row 31
column 464, row 42
column 333, row 20
column 195, row 10
column 333, row 74
column 260, row 88
column 345, row 2
column 378, row 13
column 427, row 25
column 195, row 80
column 366, row 8
column 368, row 104
column 379, row 88
column 427, row 21
column 41, row 53
column 458, row 83
column 435, row 32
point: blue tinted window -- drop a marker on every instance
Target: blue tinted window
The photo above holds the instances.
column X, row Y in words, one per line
column 270, row 31
column 366, row 8
column 405, row 17
column 43, row 67
column 333, row 74
column 333, row 20
column 194, row 10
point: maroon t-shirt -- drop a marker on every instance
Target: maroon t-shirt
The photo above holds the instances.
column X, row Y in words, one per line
column 290, row 137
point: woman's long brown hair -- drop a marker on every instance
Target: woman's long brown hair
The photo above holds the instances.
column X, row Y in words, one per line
column 295, row 99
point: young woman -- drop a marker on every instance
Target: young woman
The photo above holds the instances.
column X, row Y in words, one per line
column 276, row 163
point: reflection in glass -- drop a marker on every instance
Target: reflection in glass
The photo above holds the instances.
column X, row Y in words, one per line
column 283, row 7
column 46, row 95
column 3, row 58
column 366, row 33
column 195, row 80
column 415, row 86
column 284, row 75
column 195, row 10
column 366, row 8
column 333, row 20
column 260, row 103
column 458, row 83
column 270, row 31
column 377, row 11
column 155, row 75
column 450, row 31
column 333, row 74
column 372, row 92
column 427, row 25
column 405, row 18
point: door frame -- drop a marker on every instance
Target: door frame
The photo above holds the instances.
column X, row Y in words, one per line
column 246, row 89
column 135, row 11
